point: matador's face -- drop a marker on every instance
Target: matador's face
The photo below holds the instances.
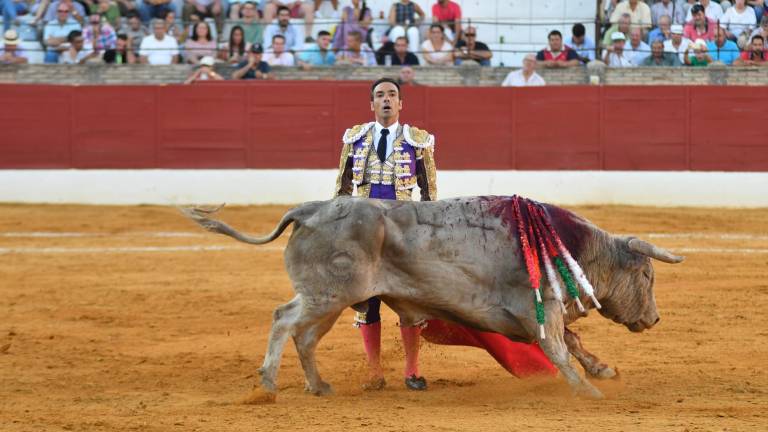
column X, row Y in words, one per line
column 386, row 102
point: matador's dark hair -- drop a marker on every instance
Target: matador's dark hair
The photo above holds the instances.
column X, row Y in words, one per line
column 386, row 80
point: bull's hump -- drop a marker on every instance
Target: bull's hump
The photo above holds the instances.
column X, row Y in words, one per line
column 573, row 230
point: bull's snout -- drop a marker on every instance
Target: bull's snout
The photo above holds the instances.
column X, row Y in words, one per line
column 639, row 326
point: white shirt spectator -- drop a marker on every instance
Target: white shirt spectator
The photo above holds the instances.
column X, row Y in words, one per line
column 517, row 79
column 446, row 51
column 66, row 57
column 159, row 52
column 619, row 60
column 284, row 59
column 680, row 51
column 637, row 55
column 714, row 12
column 737, row 22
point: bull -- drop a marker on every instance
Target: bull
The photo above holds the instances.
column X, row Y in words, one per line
column 452, row 260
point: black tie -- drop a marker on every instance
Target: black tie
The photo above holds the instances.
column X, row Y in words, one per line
column 381, row 148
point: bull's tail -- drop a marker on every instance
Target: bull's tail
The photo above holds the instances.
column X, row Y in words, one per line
column 202, row 217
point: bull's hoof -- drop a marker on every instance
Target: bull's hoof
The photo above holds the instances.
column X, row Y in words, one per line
column 604, row 373
column 259, row 396
column 323, row 389
column 375, row 384
column 416, row 383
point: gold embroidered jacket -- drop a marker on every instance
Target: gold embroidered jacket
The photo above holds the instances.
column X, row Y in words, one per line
column 411, row 163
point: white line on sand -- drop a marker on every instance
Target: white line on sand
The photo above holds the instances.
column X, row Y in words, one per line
column 137, row 249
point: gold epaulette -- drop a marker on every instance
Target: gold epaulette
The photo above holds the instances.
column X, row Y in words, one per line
column 418, row 137
column 356, row 132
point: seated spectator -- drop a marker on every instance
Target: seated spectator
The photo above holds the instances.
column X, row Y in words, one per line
column 175, row 29
column 204, row 72
column 581, row 43
column 711, row 9
column 277, row 55
column 284, row 28
column 206, row 9
column 99, row 37
column 405, row 17
column 470, row 49
column 407, row 76
column 123, row 52
column 252, row 28
column 556, row 55
column 12, row 53
column 235, row 50
column 678, row 43
column 151, row 9
column 76, row 11
column 135, row 30
column 660, row 58
column 317, row 54
column 622, row 25
column 159, row 48
column 76, row 54
column 436, row 50
column 722, row 49
column 700, row 55
column 357, row 18
column 200, row 45
column 738, row 19
column 639, row 13
column 296, row 9
column 327, row 9
column 127, row 7
column 447, row 14
column 762, row 30
column 670, row 8
column 253, row 67
column 614, row 55
column 56, row 32
column 356, row 53
column 636, row 50
column 526, row 76
column 663, row 32
column 236, row 9
column 701, row 27
column 107, row 10
column 402, row 56
column 759, row 7
column 11, row 9
column 756, row 54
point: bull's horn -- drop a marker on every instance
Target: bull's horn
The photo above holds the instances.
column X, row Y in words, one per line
column 647, row 249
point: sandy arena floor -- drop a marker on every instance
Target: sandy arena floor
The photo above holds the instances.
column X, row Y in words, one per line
column 135, row 321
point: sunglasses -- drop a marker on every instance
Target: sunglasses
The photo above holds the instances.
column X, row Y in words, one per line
column 62, row 10
column 471, row 35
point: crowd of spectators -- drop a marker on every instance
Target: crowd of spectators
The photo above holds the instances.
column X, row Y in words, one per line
column 255, row 35
column 684, row 32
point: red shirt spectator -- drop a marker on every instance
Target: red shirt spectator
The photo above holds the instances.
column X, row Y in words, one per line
column 448, row 14
column 700, row 27
column 446, row 10
column 556, row 55
column 757, row 57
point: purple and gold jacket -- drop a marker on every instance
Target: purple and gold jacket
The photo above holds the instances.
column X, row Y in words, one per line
column 411, row 163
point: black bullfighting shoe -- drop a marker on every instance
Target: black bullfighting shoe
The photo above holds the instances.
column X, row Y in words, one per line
column 416, row 383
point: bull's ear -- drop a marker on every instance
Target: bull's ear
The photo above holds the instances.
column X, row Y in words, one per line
column 653, row 251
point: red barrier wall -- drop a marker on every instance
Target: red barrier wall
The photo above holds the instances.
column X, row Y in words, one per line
column 299, row 125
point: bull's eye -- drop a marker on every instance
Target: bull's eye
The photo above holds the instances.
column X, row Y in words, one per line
column 341, row 263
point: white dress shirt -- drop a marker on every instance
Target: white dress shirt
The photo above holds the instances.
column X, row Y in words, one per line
column 377, row 128
column 517, row 79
